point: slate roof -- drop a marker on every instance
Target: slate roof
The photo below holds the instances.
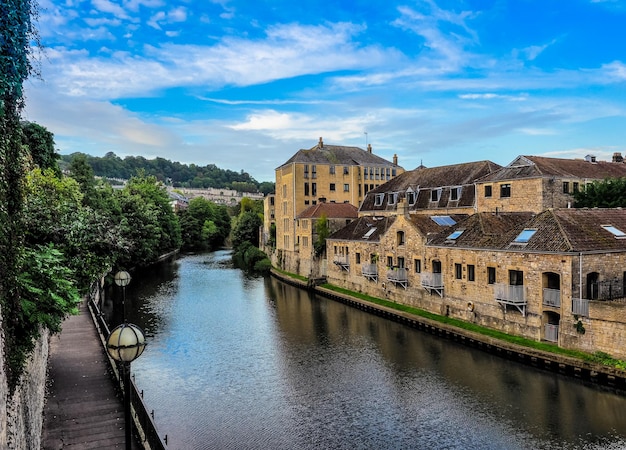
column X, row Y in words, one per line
column 559, row 230
column 331, row 210
column 423, row 179
column 339, row 155
column 541, row 167
column 360, row 229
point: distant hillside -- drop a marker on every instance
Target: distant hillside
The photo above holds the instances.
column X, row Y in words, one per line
column 174, row 173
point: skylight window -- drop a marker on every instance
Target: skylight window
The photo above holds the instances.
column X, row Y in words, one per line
column 369, row 233
column 443, row 220
column 524, row 236
column 455, row 235
column 614, row 231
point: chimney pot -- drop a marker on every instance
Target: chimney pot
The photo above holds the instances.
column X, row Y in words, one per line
column 395, row 159
column 321, row 143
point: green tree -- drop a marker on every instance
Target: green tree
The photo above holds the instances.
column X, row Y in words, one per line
column 40, row 143
column 202, row 225
column 246, row 230
column 322, row 231
column 609, row 193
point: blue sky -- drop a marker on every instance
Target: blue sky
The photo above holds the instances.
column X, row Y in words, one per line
column 245, row 84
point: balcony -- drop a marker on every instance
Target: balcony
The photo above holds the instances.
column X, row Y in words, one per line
column 580, row 307
column 552, row 297
column 508, row 294
column 398, row 276
column 370, row 271
column 342, row 261
column 433, row 282
column 551, row 333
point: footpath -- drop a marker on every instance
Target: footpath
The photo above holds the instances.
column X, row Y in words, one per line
column 83, row 409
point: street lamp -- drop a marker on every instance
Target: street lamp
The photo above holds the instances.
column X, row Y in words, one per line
column 125, row 343
column 122, row 279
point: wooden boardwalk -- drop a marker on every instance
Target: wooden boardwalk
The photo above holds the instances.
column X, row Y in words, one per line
column 83, row 409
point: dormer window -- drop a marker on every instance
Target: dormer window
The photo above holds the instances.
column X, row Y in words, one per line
column 435, row 195
column 378, row 199
column 411, row 197
column 455, row 193
column 393, row 198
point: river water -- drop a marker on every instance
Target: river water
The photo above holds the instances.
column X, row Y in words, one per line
column 238, row 362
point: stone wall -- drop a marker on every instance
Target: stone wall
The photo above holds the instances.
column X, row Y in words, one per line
column 21, row 415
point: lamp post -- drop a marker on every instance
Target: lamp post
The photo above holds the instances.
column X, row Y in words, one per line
column 125, row 343
column 122, row 279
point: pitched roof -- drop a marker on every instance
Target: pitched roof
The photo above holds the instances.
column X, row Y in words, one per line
column 422, row 180
column 337, row 154
column 331, row 210
column 541, row 167
column 558, row 230
column 367, row 229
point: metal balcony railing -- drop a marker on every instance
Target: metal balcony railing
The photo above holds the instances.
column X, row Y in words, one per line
column 580, row 307
column 551, row 333
column 552, row 297
column 433, row 282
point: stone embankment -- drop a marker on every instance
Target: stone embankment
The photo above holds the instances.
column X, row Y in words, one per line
column 585, row 371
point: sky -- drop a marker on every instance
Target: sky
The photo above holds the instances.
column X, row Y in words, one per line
column 245, row 84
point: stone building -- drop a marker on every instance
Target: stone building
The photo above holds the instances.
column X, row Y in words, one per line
column 338, row 174
column 513, row 264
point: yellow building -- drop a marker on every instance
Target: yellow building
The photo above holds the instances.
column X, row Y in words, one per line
column 330, row 173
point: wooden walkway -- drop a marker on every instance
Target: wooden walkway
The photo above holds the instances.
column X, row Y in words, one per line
column 83, row 410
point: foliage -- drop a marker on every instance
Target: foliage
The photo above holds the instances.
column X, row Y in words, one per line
column 204, row 225
column 179, row 175
column 40, row 143
column 609, row 193
column 148, row 221
column 251, row 258
column 322, row 231
column 15, row 67
column 246, row 230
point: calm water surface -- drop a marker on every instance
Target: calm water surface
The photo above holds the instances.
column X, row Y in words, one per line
column 235, row 362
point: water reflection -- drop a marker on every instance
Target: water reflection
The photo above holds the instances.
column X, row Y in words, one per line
column 238, row 362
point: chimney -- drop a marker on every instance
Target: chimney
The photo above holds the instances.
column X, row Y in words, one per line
column 617, row 157
column 395, row 159
column 369, row 148
column 403, row 208
column 320, row 144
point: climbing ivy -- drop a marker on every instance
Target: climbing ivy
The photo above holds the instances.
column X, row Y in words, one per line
column 16, row 33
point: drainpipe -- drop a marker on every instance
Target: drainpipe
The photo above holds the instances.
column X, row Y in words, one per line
column 580, row 274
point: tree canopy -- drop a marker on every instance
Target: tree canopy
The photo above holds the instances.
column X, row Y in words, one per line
column 608, row 193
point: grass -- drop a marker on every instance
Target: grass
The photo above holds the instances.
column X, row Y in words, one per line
column 598, row 357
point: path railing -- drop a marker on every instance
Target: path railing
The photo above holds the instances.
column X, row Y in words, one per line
column 144, row 420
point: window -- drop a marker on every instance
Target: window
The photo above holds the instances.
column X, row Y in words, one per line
column 367, row 188
column 575, row 186
column 314, row 171
column 400, row 262
column 566, row 187
column 455, row 193
column 400, row 237
column 284, row 190
column 444, row 221
column 418, row 265
column 346, row 187
column 305, row 224
column 455, row 235
column 525, row 236
column 378, row 199
column 393, row 198
column 286, row 225
column 358, row 258
column 305, row 241
column 505, row 190
column 314, row 189
column 306, row 188
column 619, row 234
column 471, row 272
column 284, row 207
column 411, row 197
column 286, row 241
column 435, row 194
column 389, row 261
column 516, row 277
column 365, row 173
column 491, row 275
column 369, row 233
column 331, row 170
column 306, row 171
column 393, row 172
column 346, row 170
column 377, row 173
column 458, row 271
column 332, row 187
column 488, row 191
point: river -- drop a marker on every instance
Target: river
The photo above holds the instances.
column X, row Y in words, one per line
column 239, row 362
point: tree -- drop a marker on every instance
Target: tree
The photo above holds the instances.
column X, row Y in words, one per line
column 40, row 143
column 609, row 193
column 202, row 225
column 322, row 231
column 246, row 230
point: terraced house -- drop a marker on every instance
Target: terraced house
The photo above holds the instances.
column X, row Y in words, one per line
column 330, row 173
column 518, row 260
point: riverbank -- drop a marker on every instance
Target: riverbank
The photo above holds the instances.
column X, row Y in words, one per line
column 586, row 371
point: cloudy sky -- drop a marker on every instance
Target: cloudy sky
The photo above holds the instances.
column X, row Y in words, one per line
column 245, row 84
